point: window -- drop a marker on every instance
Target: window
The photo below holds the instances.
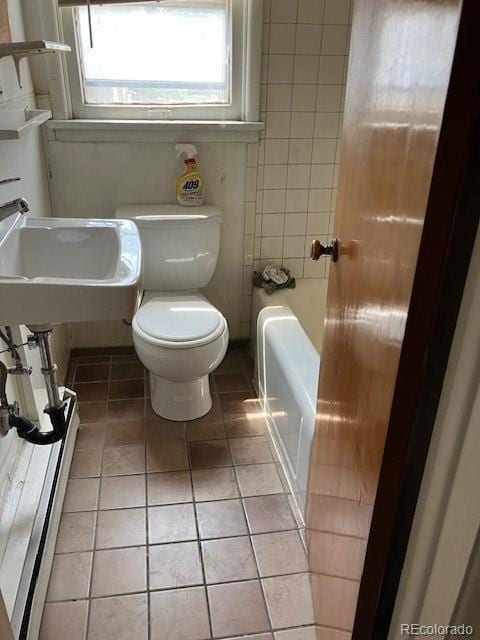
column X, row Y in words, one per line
column 174, row 59
column 184, row 53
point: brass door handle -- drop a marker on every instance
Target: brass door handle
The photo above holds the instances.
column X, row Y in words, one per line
column 317, row 250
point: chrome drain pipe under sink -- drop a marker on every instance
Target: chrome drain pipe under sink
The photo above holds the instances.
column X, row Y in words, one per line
column 56, row 408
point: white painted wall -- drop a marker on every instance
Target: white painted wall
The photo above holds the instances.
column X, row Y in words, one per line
column 24, row 158
column 447, row 517
column 92, row 179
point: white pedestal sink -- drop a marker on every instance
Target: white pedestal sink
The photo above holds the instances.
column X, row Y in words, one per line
column 55, row 270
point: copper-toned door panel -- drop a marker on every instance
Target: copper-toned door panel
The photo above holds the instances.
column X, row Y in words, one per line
column 400, row 63
column 5, row 35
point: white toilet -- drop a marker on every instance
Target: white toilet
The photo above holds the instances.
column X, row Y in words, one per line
column 178, row 335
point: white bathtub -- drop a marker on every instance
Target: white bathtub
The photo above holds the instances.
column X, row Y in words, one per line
column 287, row 340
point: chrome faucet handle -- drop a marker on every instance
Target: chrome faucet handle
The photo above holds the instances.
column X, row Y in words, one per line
column 8, row 180
column 19, row 205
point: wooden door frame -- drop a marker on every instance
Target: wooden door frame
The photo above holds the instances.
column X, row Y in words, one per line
column 451, row 221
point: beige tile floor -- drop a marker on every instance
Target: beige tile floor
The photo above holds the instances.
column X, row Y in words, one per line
column 174, row 531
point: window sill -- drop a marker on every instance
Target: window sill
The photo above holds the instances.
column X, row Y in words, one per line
column 153, row 130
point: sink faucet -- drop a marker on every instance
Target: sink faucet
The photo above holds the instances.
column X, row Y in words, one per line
column 19, row 205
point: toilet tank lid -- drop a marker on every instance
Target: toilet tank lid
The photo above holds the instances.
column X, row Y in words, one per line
column 172, row 214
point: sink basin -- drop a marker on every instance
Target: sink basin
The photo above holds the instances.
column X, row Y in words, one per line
column 56, row 270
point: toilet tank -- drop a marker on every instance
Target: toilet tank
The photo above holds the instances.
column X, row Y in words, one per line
column 180, row 244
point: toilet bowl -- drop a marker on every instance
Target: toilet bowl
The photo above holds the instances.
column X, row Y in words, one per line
column 180, row 339
column 179, row 336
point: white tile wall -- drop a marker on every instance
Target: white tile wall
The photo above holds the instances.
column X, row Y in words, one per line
column 305, row 52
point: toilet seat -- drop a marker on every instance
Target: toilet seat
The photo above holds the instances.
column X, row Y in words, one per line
column 178, row 322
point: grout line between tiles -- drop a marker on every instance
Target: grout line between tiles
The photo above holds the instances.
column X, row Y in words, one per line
column 199, row 544
column 147, row 551
column 110, row 379
column 170, row 542
column 92, row 567
column 256, row 563
column 258, row 578
column 272, row 630
column 172, row 504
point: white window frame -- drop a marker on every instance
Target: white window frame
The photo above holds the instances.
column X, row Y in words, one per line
column 244, row 69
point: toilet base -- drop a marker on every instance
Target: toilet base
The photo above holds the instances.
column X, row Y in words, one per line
column 180, row 401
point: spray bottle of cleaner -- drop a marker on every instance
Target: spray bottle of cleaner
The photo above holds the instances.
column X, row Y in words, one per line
column 190, row 185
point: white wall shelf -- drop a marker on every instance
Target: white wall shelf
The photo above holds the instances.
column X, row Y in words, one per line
column 21, row 50
column 15, row 123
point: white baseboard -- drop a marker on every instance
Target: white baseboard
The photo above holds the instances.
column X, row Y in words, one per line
column 64, row 455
